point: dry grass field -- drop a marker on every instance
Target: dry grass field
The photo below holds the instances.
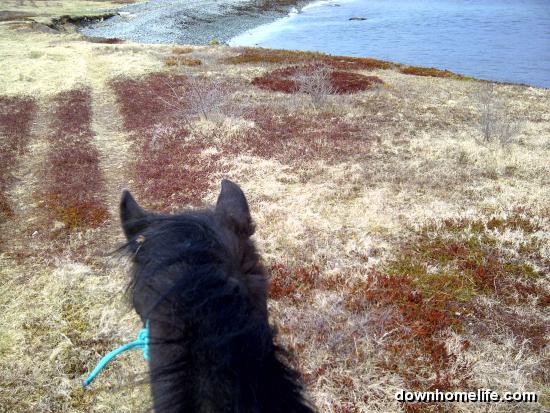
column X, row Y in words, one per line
column 404, row 213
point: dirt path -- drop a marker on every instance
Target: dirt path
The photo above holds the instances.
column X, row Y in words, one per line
column 111, row 140
column 112, row 143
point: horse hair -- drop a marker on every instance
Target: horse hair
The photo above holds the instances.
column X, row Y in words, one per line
column 198, row 279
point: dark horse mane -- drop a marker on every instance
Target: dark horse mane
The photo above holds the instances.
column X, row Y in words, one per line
column 198, row 280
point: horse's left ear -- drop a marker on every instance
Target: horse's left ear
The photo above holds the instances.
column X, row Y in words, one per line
column 133, row 218
column 233, row 209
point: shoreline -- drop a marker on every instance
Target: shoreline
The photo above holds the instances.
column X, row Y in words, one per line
column 194, row 23
column 204, row 23
column 209, row 23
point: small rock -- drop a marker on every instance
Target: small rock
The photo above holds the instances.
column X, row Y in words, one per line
column 58, row 225
column 126, row 15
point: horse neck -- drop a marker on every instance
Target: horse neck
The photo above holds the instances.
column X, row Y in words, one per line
column 221, row 359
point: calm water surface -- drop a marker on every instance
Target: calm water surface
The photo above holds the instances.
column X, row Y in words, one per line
column 505, row 40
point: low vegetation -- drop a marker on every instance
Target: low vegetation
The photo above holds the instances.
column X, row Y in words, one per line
column 431, row 72
column 181, row 61
column 73, row 187
column 16, row 115
column 179, row 50
column 259, row 55
column 168, row 165
column 315, row 80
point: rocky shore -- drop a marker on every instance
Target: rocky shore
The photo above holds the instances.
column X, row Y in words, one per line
column 190, row 22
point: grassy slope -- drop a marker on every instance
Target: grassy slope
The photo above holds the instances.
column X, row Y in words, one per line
column 392, row 183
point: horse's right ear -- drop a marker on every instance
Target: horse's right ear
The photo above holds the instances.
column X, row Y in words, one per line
column 133, row 218
column 233, row 210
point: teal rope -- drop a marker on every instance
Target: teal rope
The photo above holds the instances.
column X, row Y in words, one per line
column 142, row 341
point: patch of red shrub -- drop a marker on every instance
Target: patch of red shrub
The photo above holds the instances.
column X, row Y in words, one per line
column 297, row 137
column 528, row 329
column 16, row 114
column 484, row 267
column 260, row 55
column 71, row 116
column 149, row 100
column 104, row 40
column 291, row 282
column 170, row 172
column 284, row 80
column 73, row 183
column 417, row 327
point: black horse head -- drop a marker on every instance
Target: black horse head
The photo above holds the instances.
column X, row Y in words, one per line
column 198, row 280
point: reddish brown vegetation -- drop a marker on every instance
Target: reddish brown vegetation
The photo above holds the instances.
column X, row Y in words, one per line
column 412, row 325
column 73, row 187
column 528, row 329
column 260, row 55
column 420, row 306
column 16, row 114
column 292, row 282
column 171, row 172
column 416, row 323
column 411, row 311
column 295, row 137
column 284, row 80
column 473, row 265
column 181, row 61
column 425, row 71
column 72, row 116
column 107, row 40
column 147, row 101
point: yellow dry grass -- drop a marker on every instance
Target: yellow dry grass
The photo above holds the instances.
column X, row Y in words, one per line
column 45, row 11
column 53, row 62
column 63, row 301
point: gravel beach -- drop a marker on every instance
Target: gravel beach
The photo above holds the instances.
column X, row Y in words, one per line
column 189, row 21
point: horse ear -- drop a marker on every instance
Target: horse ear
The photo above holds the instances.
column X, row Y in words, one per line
column 133, row 218
column 233, row 209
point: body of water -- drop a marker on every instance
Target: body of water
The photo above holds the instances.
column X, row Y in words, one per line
column 504, row 40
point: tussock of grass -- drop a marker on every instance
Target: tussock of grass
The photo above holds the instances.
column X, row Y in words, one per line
column 178, row 50
column 181, row 61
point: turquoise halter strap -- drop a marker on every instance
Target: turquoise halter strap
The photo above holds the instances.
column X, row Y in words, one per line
column 142, row 341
